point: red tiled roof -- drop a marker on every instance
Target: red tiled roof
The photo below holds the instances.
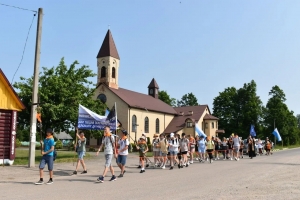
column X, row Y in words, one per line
column 108, row 47
column 210, row 117
column 178, row 121
column 12, row 89
column 153, row 84
column 143, row 101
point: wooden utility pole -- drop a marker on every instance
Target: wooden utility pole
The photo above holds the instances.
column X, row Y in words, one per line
column 31, row 162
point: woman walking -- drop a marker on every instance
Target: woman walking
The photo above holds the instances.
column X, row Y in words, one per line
column 251, row 147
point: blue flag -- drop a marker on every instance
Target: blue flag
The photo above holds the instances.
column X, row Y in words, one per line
column 199, row 131
column 252, row 131
column 89, row 120
column 277, row 135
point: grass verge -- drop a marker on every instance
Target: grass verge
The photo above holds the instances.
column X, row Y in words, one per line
column 22, row 156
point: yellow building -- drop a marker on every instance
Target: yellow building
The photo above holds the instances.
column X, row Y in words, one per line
column 144, row 113
column 10, row 103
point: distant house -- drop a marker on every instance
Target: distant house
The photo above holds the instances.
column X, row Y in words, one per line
column 144, row 113
column 63, row 136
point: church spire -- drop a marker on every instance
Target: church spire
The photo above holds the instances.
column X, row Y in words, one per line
column 153, row 89
column 108, row 47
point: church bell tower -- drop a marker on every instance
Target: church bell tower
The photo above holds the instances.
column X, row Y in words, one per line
column 108, row 62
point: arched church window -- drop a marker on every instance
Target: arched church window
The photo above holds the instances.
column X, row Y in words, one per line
column 133, row 126
column 103, row 72
column 113, row 73
column 157, row 125
column 146, row 125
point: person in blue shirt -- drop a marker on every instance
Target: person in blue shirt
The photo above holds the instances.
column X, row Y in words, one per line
column 47, row 151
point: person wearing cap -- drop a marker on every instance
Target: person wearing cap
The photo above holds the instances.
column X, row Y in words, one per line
column 173, row 149
column 47, row 147
column 80, row 151
column 142, row 147
column 123, row 144
column 156, row 150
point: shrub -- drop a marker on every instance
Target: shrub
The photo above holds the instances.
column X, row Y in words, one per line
column 149, row 147
column 59, row 144
column 148, row 140
column 92, row 149
column 18, row 143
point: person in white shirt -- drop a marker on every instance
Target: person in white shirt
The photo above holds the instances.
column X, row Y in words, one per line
column 123, row 144
column 173, row 149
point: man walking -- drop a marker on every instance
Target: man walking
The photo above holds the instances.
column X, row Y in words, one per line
column 123, row 152
column 80, row 151
column 47, row 151
column 109, row 151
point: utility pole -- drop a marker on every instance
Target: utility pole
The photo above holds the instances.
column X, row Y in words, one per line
column 31, row 162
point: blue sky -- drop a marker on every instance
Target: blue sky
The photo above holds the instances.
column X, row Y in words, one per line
column 186, row 45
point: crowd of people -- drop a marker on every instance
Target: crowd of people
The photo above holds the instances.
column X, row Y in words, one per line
column 171, row 151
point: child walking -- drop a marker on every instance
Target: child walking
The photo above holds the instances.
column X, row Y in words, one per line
column 143, row 149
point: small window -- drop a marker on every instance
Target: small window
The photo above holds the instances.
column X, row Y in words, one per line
column 103, row 72
column 146, row 125
column 212, row 125
column 206, row 125
column 157, row 126
column 216, row 124
column 113, row 73
column 133, row 127
column 189, row 124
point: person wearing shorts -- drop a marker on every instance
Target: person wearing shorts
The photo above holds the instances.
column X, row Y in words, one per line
column 48, row 148
column 184, row 144
column 192, row 143
column 201, row 148
column 142, row 148
column 173, row 149
column 163, row 145
column 123, row 144
column 109, row 152
column 210, row 148
column 156, row 150
column 80, row 152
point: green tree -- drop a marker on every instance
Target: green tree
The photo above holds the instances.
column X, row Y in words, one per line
column 278, row 114
column 298, row 120
column 238, row 109
column 165, row 97
column 61, row 90
column 188, row 100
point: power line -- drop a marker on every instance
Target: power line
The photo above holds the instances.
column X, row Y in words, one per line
column 23, row 49
column 2, row 4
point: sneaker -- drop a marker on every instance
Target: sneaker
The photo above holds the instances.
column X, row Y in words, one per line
column 197, row 159
column 230, row 158
column 237, row 159
column 120, row 176
column 215, row 158
column 186, row 165
column 113, row 178
column 142, row 171
column 49, row 182
column 84, row 172
column 224, row 159
column 74, row 173
column 147, row 165
column 139, row 166
column 218, row 158
column 100, row 179
column 191, row 162
column 171, row 168
column 163, row 167
column 39, row 182
column 179, row 166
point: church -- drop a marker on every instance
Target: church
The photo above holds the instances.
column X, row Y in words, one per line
column 145, row 113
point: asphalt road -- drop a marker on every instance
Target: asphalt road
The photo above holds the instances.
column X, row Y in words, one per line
column 264, row 177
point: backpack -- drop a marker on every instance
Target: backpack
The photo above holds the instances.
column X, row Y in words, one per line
column 54, row 155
